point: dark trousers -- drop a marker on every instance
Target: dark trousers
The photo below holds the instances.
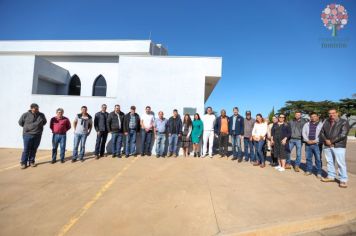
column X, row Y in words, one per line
column 321, row 152
column 146, row 138
column 30, row 145
column 223, row 144
column 58, row 139
column 100, row 142
column 273, row 157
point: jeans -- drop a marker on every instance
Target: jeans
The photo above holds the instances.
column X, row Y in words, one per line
column 131, row 142
column 160, row 143
column 146, row 138
column 259, row 152
column 208, row 135
column 58, row 139
column 311, row 149
column 236, row 143
column 173, row 144
column 339, row 155
column 116, row 142
column 79, row 139
column 223, row 143
column 100, row 142
column 248, row 145
column 30, row 145
column 298, row 144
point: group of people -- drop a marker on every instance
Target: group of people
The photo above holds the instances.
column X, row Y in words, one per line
column 258, row 136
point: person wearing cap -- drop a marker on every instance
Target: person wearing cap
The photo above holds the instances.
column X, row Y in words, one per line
column 32, row 122
column 131, row 128
column 249, row 122
column 59, row 125
column 236, row 130
column 147, row 126
column 82, row 124
column 101, row 128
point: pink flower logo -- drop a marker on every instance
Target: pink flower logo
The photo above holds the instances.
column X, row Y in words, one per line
column 334, row 17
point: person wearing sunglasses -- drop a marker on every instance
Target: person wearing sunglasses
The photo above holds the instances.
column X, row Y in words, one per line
column 281, row 133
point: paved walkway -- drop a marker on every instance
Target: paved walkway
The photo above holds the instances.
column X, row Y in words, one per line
column 171, row 196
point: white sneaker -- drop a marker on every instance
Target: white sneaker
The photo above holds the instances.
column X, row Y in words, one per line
column 277, row 167
column 281, row 169
column 211, row 156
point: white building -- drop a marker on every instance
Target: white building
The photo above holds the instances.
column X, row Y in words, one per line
column 70, row 74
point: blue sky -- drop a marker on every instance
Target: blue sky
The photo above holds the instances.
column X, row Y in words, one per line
column 271, row 49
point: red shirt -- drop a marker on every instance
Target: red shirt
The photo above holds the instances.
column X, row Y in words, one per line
column 60, row 126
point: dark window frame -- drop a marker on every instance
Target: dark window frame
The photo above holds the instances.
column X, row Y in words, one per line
column 99, row 86
column 75, row 86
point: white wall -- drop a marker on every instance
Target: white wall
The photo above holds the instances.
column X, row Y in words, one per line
column 76, row 47
column 88, row 69
column 15, row 96
column 164, row 83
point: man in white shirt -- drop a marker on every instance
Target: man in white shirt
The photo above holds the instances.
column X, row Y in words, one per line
column 147, row 125
column 208, row 134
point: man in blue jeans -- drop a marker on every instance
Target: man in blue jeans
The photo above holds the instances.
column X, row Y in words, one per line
column 131, row 128
column 59, row 126
column 174, row 129
column 32, row 122
column 160, row 131
column 311, row 131
column 334, row 135
column 296, row 140
column 83, row 124
column 236, row 130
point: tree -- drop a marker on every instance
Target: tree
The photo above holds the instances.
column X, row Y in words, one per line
column 345, row 107
column 271, row 115
column 306, row 107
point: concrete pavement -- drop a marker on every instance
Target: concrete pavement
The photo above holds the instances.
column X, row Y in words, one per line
column 171, row 196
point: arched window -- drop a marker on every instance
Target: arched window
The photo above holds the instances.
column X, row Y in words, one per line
column 74, row 86
column 99, row 86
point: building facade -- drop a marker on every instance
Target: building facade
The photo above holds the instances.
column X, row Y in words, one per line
column 73, row 73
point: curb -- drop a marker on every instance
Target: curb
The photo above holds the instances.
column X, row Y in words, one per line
column 297, row 227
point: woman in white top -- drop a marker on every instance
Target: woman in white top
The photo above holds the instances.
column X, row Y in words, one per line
column 259, row 132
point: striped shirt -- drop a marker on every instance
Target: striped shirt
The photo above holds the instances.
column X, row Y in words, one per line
column 312, row 130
